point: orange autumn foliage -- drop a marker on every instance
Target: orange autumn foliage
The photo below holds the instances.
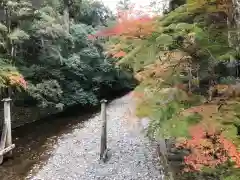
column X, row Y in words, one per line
column 208, row 148
column 119, row 54
column 130, row 24
column 17, row 80
column 232, row 151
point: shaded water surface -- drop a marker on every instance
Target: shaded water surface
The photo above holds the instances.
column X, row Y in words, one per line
column 68, row 149
column 35, row 143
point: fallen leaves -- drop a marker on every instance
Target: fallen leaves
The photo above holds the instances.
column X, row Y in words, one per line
column 208, row 148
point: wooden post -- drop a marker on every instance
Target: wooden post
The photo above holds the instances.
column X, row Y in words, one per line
column 6, row 145
column 7, row 117
column 3, row 139
column 162, row 153
column 103, row 146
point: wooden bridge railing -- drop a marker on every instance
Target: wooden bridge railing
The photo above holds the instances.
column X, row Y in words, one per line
column 6, row 145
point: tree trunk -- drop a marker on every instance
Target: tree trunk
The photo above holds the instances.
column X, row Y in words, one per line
column 66, row 15
column 189, row 78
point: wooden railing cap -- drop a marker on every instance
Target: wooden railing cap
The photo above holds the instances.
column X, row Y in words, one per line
column 103, row 101
column 6, row 99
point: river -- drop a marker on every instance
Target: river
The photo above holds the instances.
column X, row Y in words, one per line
column 68, row 148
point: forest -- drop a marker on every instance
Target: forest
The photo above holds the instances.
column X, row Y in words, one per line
column 187, row 63
column 48, row 63
column 183, row 66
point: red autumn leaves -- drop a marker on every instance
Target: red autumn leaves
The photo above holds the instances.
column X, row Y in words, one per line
column 208, row 149
column 129, row 27
column 131, row 24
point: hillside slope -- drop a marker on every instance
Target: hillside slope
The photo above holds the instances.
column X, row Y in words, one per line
column 187, row 63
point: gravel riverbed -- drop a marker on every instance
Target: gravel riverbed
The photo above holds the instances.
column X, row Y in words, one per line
column 76, row 154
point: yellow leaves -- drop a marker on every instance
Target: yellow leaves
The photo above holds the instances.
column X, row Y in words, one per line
column 221, row 88
column 156, row 70
column 198, row 2
column 9, row 76
column 191, row 37
column 225, row 5
column 173, row 56
column 165, row 68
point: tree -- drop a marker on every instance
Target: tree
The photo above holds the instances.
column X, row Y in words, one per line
column 124, row 5
column 48, row 45
column 178, row 57
column 89, row 12
column 66, row 13
column 159, row 6
column 11, row 36
column 64, row 68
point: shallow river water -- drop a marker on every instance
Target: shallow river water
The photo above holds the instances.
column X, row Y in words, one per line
column 69, row 149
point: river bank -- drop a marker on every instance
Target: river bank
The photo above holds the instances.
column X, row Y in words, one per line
column 33, row 143
column 21, row 115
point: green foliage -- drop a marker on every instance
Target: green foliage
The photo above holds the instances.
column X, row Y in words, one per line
column 3, row 28
column 178, row 127
column 198, row 30
column 18, row 36
column 62, row 68
column 45, row 92
column 167, row 123
column 227, row 80
column 184, row 26
column 184, row 13
column 231, row 177
column 197, row 34
column 164, row 39
column 223, row 172
column 163, row 108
